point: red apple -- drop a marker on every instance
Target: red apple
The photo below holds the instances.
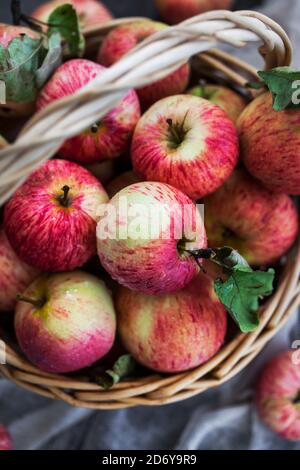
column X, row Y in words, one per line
column 175, row 332
column 232, row 103
column 278, row 395
column 51, row 219
column 270, row 143
column 107, row 138
column 124, row 38
column 260, row 224
column 143, row 238
column 187, row 142
column 175, row 11
column 65, row 322
column 5, row 439
column 90, row 12
column 103, row 171
column 121, row 182
column 15, row 275
column 7, row 34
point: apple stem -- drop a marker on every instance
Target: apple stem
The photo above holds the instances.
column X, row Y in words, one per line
column 63, row 199
column 38, row 303
column 16, row 11
column 174, row 132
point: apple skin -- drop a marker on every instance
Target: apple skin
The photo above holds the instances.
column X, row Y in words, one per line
column 270, row 142
column 204, row 159
column 43, row 232
column 7, row 33
column 15, row 275
column 152, row 265
column 103, row 171
column 5, row 439
column 230, row 101
column 260, row 224
column 90, row 12
column 3, row 142
column 278, row 396
column 175, row 11
column 175, row 332
column 108, row 138
column 121, row 182
column 122, row 39
column 74, row 328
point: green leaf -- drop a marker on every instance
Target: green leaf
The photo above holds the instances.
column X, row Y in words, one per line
column 122, row 368
column 18, row 65
column 64, row 20
column 241, row 292
column 52, row 60
column 282, row 83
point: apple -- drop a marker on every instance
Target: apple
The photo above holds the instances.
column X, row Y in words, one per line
column 187, row 142
column 103, row 171
column 121, row 182
column 90, row 12
column 7, row 34
column 230, row 101
column 278, row 395
column 143, row 236
column 15, row 275
column 174, row 332
column 260, row 224
column 5, row 439
column 65, row 322
column 107, row 138
column 270, row 142
column 51, row 219
column 122, row 39
column 175, row 11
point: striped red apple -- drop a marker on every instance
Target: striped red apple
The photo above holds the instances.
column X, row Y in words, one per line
column 122, row 39
column 260, row 224
column 143, row 260
column 90, row 12
column 187, row 142
column 107, row 138
column 65, row 322
column 278, row 395
column 175, row 332
column 51, row 219
column 175, row 11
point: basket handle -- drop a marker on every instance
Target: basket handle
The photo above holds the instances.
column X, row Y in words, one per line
column 153, row 59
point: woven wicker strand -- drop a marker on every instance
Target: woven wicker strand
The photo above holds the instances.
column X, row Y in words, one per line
column 42, row 137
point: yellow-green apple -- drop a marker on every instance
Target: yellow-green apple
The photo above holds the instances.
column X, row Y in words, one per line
column 107, row 138
column 270, row 143
column 121, row 182
column 143, row 236
column 90, row 12
column 174, row 332
column 232, row 103
column 65, row 322
column 51, row 219
column 175, row 11
column 187, row 142
column 122, row 39
column 260, row 224
column 7, row 34
column 278, row 395
column 5, row 439
column 15, row 275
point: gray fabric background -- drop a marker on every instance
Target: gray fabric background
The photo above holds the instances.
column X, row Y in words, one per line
column 223, row 418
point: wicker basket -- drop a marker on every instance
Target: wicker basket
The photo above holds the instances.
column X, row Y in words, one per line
column 42, row 137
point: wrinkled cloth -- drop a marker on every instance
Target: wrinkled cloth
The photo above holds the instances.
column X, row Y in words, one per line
column 221, row 418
